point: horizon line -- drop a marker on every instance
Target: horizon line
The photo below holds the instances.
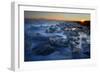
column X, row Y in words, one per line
column 58, row 19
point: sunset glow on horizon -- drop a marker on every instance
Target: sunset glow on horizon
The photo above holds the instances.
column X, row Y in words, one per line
column 57, row 16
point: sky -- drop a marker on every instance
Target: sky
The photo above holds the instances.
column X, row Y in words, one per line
column 57, row 16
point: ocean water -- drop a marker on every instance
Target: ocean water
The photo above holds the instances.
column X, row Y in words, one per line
column 55, row 40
